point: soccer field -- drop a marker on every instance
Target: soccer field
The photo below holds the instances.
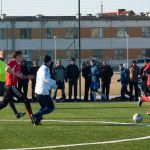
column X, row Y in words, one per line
column 78, row 126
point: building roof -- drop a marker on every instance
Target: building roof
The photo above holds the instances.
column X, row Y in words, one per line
column 73, row 18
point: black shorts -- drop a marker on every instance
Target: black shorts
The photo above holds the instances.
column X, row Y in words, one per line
column 2, row 85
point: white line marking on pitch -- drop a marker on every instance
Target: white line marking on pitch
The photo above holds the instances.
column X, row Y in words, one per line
column 81, row 121
column 83, row 144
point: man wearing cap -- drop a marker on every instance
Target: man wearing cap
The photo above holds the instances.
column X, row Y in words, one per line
column 2, row 73
column 72, row 75
column 44, row 84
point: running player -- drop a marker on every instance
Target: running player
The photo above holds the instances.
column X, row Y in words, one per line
column 146, row 98
column 13, row 72
column 44, row 84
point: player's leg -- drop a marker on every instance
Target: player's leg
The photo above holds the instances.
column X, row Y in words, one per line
column 25, row 100
column 6, row 97
column 47, row 106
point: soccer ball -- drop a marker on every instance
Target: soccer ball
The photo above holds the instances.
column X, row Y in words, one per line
column 137, row 118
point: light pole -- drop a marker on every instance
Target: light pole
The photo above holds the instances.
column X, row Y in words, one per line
column 127, row 40
column 55, row 48
column 40, row 16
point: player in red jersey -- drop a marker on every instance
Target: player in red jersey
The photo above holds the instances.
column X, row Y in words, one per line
column 13, row 72
column 146, row 98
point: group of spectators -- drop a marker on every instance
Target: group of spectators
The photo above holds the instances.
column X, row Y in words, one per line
column 134, row 77
column 97, row 79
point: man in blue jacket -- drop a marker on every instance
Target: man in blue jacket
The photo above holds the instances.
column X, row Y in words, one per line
column 124, row 79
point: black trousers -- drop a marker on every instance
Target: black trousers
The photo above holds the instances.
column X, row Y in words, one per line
column 33, row 90
column 73, row 82
column 2, row 85
column 86, row 89
column 135, row 86
column 105, row 88
column 23, row 85
column 8, row 97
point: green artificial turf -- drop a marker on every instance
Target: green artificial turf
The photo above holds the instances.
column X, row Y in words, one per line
column 24, row 135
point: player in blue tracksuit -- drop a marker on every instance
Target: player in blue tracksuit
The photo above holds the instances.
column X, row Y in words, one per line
column 95, row 80
column 44, row 84
column 124, row 79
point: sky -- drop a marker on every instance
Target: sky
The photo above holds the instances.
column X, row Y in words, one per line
column 70, row 7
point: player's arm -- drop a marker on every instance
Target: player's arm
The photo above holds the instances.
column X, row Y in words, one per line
column 9, row 70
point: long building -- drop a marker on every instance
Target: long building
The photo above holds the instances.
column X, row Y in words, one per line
column 103, row 37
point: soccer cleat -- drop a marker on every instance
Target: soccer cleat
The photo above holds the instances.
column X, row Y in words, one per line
column 140, row 101
column 36, row 121
column 148, row 112
column 20, row 115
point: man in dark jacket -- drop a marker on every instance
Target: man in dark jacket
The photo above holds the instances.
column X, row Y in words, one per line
column 59, row 76
column 72, row 75
column 23, row 84
column 33, row 71
column 124, row 79
column 106, row 75
column 134, row 71
column 86, row 72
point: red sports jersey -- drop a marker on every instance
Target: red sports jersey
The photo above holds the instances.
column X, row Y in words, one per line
column 12, row 80
column 147, row 68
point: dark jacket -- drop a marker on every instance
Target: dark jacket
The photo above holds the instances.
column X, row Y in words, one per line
column 33, row 71
column 25, row 71
column 59, row 73
column 72, row 72
column 106, row 74
column 124, row 76
column 86, row 72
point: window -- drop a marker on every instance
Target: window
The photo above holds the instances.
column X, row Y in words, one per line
column 26, row 33
column 119, row 54
column 2, row 34
column 146, row 31
column 97, row 33
column 49, row 33
column 122, row 32
column 98, row 53
column 71, row 33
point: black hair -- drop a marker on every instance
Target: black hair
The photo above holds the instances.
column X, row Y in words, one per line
column 17, row 53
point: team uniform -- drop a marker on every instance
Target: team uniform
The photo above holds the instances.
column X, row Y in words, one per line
column 146, row 98
column 2, row 76
column 44, row 84
column 11, row 89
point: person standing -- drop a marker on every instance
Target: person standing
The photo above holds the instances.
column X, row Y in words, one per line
column 23, row 83
column 106, row 75
column 43, row 84
column 124, row 79
column 33, row 71
column 13, row 72
column 59, row 76
column 2, row 72
column 86, row 72
column 134, row 72
column 72, row 75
